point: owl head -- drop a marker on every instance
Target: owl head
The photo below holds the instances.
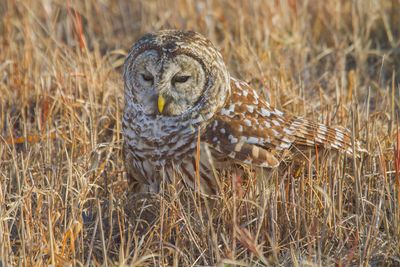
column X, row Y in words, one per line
column 174, row 73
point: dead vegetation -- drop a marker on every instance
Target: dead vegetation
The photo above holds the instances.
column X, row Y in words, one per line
column 62, row 189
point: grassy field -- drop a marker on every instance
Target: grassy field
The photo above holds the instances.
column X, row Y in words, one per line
column 63, row 197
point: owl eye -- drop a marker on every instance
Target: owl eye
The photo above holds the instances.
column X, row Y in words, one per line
column 147, row 77
column 180, row 79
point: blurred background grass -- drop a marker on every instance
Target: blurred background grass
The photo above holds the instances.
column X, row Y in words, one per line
column 62, row 189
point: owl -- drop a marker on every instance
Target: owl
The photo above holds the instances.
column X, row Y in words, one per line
column 185, row 116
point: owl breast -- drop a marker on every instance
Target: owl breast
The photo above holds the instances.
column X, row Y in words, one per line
column 157, row 138
column 157, row 145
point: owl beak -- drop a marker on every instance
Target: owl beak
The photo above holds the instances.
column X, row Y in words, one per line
column 161, row 103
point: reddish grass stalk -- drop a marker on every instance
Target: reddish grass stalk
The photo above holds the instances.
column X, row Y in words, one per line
column 397, row 164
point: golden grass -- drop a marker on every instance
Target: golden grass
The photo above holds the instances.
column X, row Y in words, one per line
column 62, row 190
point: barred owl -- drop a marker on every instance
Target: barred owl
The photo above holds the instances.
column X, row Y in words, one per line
column 184, row 113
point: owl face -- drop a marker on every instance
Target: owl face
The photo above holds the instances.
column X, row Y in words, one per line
column 173, row 75
column 167, row 85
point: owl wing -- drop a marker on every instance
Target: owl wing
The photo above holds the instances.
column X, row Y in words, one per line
column 249, row 130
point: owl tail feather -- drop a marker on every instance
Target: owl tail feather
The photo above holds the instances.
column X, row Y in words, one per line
column 308, row 133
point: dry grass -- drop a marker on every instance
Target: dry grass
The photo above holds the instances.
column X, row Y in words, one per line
column 62, row 187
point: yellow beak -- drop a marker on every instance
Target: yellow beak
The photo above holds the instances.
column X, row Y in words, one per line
column 161, row 103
